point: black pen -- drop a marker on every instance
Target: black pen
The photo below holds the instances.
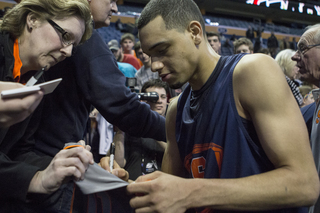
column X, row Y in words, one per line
column 36, row 77
column 112, row 152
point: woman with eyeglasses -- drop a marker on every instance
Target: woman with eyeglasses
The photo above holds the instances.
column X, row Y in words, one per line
column 34, row 35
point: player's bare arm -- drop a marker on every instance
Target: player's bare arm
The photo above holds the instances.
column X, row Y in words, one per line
column 171, row 162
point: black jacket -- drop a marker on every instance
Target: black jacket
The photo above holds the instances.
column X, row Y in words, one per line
column 18, row 163
column 92, row 77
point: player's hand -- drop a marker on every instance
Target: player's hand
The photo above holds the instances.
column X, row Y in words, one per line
column 159, row 192
column 66, row 165
column 14, row 110
column 117, row 170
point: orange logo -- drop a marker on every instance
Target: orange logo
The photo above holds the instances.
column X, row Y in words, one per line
column 198, row 165
column 318, row 117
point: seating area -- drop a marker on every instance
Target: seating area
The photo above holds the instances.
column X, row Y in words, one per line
column 133, row 10
column 113, row 32
column 109, row 33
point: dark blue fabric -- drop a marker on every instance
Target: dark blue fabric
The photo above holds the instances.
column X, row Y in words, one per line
column 91, row 77
column 215, row 142
column 307, row 113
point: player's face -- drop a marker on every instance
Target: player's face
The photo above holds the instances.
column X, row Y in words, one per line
column 214, row 43
column 308, row 58
column 173, row 54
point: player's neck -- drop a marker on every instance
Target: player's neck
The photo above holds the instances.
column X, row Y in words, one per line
column 208, row 60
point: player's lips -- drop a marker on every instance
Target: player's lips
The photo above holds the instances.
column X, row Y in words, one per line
column 165, row 77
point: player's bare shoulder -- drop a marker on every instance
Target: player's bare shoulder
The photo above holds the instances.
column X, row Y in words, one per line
column 253, row 76
column 252, row 64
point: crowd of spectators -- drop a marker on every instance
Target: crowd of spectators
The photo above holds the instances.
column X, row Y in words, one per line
column 95, row 89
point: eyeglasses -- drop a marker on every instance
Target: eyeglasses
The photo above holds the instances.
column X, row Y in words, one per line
column 306, row 48
column 66, row 37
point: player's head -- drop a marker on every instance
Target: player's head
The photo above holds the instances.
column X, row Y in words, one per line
column 174, row 44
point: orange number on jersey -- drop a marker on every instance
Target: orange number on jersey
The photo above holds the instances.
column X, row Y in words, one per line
column 198, row 166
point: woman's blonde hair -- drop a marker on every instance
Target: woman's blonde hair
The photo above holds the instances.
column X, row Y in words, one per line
column 15, row 19
column 283, row 58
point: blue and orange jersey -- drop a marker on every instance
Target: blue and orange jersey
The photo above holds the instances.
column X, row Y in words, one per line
column 213, row 140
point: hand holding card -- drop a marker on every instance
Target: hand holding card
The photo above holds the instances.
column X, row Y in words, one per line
column 46, row 87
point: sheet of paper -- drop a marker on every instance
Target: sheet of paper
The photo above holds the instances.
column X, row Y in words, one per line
column 97, row 179
column 46, row 87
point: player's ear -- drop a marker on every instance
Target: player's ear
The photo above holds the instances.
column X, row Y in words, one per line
column 196, row 32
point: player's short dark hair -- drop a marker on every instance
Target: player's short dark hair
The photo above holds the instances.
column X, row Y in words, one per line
column 177, row 14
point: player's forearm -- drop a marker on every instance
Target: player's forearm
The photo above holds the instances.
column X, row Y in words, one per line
column 280, row 188
column 162, row 144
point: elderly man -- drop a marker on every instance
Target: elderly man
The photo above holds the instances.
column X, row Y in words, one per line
column 308, row 61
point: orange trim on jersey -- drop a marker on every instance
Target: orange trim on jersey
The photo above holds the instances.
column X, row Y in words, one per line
column 17, row 62
column 198, row 148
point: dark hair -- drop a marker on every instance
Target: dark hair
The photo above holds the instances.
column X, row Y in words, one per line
column 155, row 83
column 176, row 14
column 210, row 34
column 137, row 47
column 264, row 51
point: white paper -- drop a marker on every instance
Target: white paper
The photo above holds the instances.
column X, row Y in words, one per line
column 46, row 87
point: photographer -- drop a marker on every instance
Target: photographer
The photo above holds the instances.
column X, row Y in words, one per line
column 143, row 155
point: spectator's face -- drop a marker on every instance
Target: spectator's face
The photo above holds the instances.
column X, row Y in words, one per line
column 116, row 53
column 308, row 99
column 161, row 105
column 214, row 43
column 48, row 46
column 174, row 54
column 102, row 10
column 127, row 45
column 308, row 58
column 144, row 58
column 243, row 49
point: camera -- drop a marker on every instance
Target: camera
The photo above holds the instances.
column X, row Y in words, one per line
column 148, row 96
